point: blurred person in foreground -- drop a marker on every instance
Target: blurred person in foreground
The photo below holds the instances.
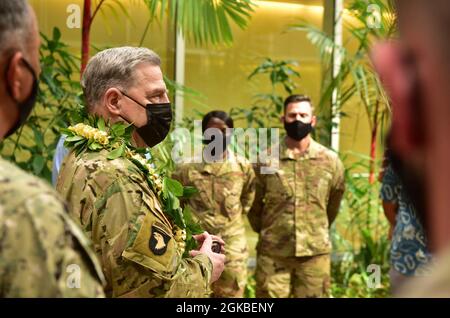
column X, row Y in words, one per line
column 415, row 71
column 42, row 251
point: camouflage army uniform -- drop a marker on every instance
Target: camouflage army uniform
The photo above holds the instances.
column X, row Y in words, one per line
column 226, row 194
column 133, row 237
column 291, row 213
column 43, row 253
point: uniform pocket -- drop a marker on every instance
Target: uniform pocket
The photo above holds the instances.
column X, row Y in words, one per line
column 279, row 185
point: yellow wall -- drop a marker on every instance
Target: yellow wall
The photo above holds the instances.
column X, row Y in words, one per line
column 107, row 29
column 220, row 73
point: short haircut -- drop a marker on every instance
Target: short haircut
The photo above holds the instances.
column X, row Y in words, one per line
column 15, row 25
column 217, row 114
column 113, row 68
column 297, row 99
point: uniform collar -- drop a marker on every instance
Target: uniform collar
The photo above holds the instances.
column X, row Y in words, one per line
column 311, row 152
column 211, row 168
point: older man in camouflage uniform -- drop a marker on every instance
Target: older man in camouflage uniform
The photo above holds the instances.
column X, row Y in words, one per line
column 226, row 193
column 132, row 234
column 294, row 207
column 42, row 252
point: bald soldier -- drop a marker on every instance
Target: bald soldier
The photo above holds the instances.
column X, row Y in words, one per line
column 135, row 238
column 42, row 251
column 294, row 208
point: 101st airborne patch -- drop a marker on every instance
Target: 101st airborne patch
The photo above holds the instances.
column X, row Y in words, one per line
column 158, row 241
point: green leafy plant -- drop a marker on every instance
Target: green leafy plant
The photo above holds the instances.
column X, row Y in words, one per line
column 268, row 107
column 204, row 21
column 350, row 269
column 359, row 235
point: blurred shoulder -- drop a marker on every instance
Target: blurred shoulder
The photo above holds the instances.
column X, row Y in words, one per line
column 17, row 187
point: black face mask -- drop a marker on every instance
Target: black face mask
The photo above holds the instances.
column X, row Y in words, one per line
column 297, row 130
column 27, row 105
column 159, row 118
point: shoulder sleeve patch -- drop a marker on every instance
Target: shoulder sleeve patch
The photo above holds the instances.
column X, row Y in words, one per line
column 158, row 240
column 154, row 248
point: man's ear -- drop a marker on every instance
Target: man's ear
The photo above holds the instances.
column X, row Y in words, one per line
column 282, row 119
column 15, row 76
column 112, row 100
column 313, row 121
column 398, row 81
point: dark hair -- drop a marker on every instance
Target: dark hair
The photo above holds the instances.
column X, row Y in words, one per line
column 15, row 24
column 296, row 99
column 217, row 114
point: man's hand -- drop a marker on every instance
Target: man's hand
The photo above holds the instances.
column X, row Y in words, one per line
column 217, row 260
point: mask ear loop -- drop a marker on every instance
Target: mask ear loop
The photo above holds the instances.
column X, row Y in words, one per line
column 125, row 119
column 133, row 100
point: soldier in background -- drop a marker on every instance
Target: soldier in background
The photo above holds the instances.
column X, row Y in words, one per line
column 294, row 208
column 42, row 252
column 226, row 194
column 136, row 239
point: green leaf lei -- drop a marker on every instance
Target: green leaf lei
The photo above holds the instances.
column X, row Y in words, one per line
column 98, row 135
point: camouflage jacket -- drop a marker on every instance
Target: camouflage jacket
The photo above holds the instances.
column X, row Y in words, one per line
column 294, row 205
column 43, row 253
column 134, row 239
column 226, row 193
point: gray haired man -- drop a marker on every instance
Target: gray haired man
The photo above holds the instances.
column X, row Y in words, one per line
column 135, row 237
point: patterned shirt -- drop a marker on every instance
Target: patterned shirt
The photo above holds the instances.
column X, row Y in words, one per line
column 409, row 253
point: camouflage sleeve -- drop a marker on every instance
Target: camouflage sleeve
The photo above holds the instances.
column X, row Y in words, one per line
column 248, row 192
column 43, row 255
column 254, row 215
column 140, row 254
column 336, row 192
